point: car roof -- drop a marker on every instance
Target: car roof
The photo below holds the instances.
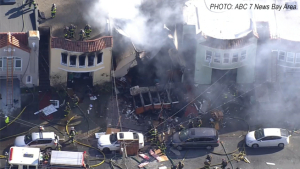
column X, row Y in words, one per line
column 272, row 132
column 202, row 132
column 44, row 135
column 126, row 136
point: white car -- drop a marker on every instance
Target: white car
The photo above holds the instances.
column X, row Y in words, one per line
column 268, row 137
column 42, row 140
column 111, row 142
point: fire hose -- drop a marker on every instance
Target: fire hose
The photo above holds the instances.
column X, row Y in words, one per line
column 86, row 145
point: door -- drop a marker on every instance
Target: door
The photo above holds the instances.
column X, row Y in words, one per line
column 204, row 141
column 33, row 143
column 265, row 142
column 189, row 143
column 45, row 143
column 115, row 146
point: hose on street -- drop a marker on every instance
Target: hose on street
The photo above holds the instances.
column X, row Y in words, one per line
column 86, row 145
column 14, row 119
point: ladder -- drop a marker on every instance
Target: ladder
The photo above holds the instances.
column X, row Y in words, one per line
column 9, row 80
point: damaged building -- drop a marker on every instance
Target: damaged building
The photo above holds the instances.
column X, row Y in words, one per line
column 154, row 97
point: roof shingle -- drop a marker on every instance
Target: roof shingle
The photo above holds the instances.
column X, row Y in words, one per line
column 18, row 40
column 82, row 46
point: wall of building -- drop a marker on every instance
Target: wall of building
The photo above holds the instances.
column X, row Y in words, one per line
column 245, row 65
column 24, row 64
column 58, row 71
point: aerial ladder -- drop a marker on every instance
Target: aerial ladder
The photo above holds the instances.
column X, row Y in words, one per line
column 9, row 75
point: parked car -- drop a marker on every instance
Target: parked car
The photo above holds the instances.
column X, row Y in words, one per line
column 196, row 138
column 111, row 142
column 42, row 140
column 268, row 137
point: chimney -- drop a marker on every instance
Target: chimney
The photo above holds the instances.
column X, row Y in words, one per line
column 33, row 43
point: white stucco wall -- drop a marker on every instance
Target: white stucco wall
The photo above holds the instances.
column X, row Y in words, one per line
column 101, row 71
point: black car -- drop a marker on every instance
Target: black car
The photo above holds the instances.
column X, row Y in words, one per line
column 196, row 138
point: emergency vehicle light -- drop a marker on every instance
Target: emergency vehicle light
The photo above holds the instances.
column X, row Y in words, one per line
column 10, row 154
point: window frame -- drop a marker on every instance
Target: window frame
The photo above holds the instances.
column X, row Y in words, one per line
column 101, row 58
column 297, row 56
column 235, row 56
column 287, row 57
column 82, row 66
column 279, row 56
column 220, row 61
column 211, row 56
column 15, row 64
column 61, row 59
column 241, row 56
column 70, row 61
column 227, row 58
column 28, row 82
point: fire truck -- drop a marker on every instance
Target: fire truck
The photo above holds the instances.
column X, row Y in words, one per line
column 34, row 158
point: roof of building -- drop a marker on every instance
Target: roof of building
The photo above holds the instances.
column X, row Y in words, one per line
column 19, row 40
column 82, row 46
column 221, row 24
column 17, row 18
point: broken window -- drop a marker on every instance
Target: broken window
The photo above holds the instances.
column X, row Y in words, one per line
column 18, row 64
column 235, row 58
column 281, row 55
column 64, row 58
column 217, row 58
column 208, row 56
column 82, row 61
column 290, row 57
column 243, row 55
column 146, row 98
column 99, row 58
column 226, row 58
column 73, row 60
column 91, row 59
column 297, row 60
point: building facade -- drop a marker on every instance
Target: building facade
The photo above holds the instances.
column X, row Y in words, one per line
column 225, row 42
column 92, row 56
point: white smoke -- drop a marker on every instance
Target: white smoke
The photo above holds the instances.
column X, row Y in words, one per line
column 143, row 21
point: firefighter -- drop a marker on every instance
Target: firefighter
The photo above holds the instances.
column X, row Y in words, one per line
column 72, row 30
column 41, row 129
column 72, row 134
column 66, row 32
column 224, row 164
column 209, row 158
column 67, row 109
column 88, row 30
column 180, row 165
column 82, row 34
column 6, row 120
column 153, row 136
column 46, row 156
column 199, row 122
column 207, row 164
column 75, row 99
column 180, row 127
column 191, row 123
column 162, row 147
column 31, row 3
column 53, row 10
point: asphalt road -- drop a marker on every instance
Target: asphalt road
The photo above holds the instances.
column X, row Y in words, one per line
column 288, row 158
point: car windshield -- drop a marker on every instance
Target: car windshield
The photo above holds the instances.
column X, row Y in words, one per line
column 259, row 134
column 27, row 138
column 184, row 135
column 113, row 138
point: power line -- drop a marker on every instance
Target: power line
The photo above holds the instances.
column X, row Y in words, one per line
column 191, row 101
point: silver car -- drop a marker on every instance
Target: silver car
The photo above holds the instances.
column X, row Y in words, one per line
column 42, row 140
